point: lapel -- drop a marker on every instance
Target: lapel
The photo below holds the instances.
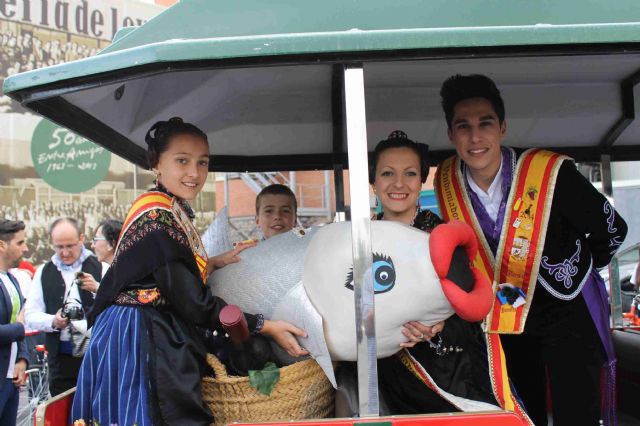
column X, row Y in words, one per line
column 16, row 285
column 8, row 307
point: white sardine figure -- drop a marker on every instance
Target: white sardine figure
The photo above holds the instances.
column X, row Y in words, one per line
column 305, row 277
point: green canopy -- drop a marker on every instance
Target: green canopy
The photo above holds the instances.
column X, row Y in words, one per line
column 263, row 78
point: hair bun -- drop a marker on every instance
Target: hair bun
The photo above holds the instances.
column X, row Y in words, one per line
column 151, row 136
column 159, row 127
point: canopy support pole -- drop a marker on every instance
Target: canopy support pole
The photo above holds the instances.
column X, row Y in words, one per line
column 339, row 134
column 361, row 240
column 628, row 112
column 607, row 180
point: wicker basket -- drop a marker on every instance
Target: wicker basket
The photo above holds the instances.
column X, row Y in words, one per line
column 303, row 392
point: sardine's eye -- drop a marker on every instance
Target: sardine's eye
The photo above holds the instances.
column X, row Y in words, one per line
column 384, row 274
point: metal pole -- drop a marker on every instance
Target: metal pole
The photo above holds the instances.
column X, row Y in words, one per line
column 339, row 137
column 615, row 290
column 361, row 240
column 605, row 167
column 326, row 195
column 226, row 194
column 135, row 181
column 292, row 182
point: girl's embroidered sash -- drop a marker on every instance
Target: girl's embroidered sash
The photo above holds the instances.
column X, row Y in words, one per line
column 153, row 200
column 515, row 268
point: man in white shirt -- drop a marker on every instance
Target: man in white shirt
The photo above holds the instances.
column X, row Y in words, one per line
column 13, row 351
column 53, row 292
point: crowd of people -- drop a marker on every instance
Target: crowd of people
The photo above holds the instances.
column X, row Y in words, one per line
column 548, row 315
column 37, row 218
column 24, row 52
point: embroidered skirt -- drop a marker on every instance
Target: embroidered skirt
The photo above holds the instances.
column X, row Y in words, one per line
column 113, row 385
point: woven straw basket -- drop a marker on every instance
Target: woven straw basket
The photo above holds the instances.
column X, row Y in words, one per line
column 303, row 392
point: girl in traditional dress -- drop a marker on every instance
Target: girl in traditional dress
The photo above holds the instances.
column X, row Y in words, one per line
column 145, row 360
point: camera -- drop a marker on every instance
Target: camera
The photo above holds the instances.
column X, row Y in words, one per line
column 72, row 311
column 72, row 308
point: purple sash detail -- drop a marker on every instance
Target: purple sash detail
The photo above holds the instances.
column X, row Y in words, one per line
column 491, row 229
column 596, row 298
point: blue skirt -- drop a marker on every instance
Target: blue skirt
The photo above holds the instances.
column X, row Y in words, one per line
column 113, row 385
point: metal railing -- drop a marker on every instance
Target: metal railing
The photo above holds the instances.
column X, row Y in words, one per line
column 620, row 269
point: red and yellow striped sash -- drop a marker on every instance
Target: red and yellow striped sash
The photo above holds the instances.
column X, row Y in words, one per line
column 144, row 203
column 499, row 379
column 523, row 231
column 153, row 200
column 522, row 238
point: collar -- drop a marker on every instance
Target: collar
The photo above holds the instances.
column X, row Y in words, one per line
column 55, row 259
column 496, row 185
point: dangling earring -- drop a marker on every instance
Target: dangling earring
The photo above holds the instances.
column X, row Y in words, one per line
column 157, row 179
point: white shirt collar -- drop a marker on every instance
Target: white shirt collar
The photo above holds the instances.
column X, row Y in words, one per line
column 493, row 197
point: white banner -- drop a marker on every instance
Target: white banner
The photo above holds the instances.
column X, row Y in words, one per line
column 97, row 18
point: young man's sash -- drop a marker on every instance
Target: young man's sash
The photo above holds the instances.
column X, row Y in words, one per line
column 155, row 200
column 514, row 269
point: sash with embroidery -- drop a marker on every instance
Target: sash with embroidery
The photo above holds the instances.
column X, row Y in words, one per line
column 497, row 373
column 153, row 200
column 515, row 268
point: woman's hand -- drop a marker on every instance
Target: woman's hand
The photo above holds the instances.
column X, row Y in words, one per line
column 417, row 332
column 228, row 257
column 284, row 334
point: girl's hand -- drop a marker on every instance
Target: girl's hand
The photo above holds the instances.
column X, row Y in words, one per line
column 228, row 257
column 417, row 332
column 284, row 334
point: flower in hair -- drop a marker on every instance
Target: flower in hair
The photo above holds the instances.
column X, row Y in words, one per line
column 398, row 134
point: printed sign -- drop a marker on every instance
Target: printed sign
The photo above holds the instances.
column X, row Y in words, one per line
column 66, row 161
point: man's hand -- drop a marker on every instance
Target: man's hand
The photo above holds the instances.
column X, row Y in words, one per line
column 89, row 283
column 19, row 375
column 59, row 322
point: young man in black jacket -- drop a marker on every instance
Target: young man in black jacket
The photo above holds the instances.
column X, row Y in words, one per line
column 544, row 232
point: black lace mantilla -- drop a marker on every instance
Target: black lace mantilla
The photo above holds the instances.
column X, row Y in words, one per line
column 425, row 220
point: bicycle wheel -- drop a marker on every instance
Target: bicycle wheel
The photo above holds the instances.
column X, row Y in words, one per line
column 34, row 392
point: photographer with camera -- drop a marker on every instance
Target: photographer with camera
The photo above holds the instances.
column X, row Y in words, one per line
column 57, row 300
